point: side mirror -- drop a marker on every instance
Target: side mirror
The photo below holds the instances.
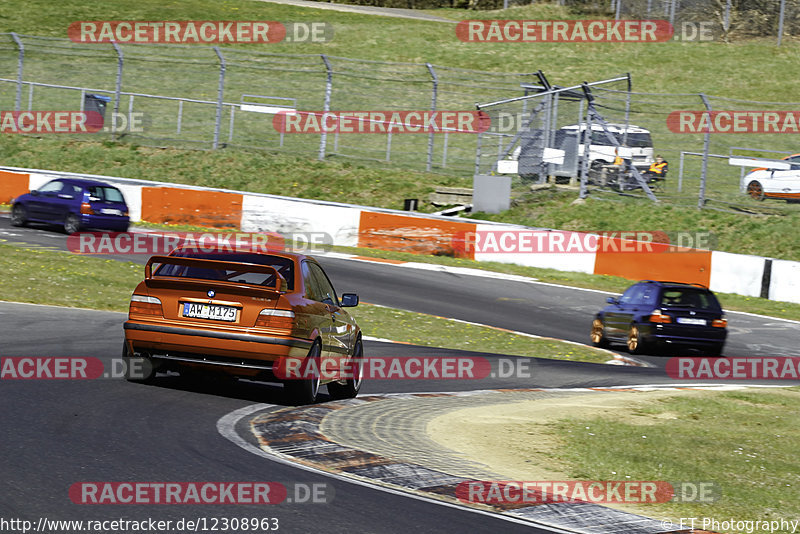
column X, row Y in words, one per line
column 612, row 300
column 349, row 300
column 35, row 193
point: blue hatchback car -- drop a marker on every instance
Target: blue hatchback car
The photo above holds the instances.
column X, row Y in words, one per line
column 73, row 203
column 652, row 314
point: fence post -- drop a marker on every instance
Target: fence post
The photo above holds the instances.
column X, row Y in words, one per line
column 434, row 96
column 326, row 106
column 117, row 90
column 20, row 63
column 780, row 21
column 701, row 200
column 587, row 135
column 218, row 119
column 478, row 143
column 627, row 110
column 673, row 8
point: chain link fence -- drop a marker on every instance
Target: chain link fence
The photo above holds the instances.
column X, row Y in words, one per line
column 210, row 97
column 554, row 128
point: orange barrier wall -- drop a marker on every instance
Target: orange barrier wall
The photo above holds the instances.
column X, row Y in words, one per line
column 13, row 184
column 414, row 234
column 186, row 206
column 664, row 262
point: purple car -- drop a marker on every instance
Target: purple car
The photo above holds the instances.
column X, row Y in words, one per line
column 73, row 203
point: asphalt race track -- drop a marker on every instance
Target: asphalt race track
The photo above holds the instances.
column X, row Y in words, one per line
column 62, row 432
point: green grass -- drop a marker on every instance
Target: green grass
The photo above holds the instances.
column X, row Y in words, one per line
column 246, row 170
column 762, row 234
column 64, row 279
column 433, row 331
column 747, row 438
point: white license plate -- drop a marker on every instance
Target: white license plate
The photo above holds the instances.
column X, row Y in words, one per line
column 691, row 320
column 209, row 311
column 110, row 211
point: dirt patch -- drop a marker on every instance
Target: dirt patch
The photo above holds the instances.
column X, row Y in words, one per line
column 514, row 440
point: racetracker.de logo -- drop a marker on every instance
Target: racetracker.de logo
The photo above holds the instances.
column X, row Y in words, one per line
column 564, row 31
column 177, row 493
column 385, row 368
column 377, row 122
column 734, row 122
column 55, row 122
column 196, row 242
column 763, row 368
column 181, row 31
column 592, row 491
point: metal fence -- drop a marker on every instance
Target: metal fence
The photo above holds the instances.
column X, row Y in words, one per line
column 605, row 119
column 209, row 97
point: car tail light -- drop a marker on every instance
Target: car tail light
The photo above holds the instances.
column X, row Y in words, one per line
column 142, row 305
column 658, row 317
column 721, row 322
column 86, row 209
column 276, row 318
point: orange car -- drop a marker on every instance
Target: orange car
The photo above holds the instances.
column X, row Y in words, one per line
column 246, row 314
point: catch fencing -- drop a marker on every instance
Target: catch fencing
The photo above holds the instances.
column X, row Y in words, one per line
column 638, row 127
column 212, row 97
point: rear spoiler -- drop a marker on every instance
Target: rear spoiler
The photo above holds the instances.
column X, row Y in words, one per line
column 281, row 284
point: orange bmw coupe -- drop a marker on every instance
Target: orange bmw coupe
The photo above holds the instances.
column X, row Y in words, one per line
column 245, row 314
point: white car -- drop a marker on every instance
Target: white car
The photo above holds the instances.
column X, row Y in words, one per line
column 771, row 183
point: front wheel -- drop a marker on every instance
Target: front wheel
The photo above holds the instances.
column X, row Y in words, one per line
column 598, row 334
column 305, row 390
column 635, row 343
column 72, row 224
column 755, row 190
column 19, row 215
column 355, row 373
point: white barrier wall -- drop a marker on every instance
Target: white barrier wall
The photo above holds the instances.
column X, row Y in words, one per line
column 785, row 281
column 736, row 273
column 268, row 214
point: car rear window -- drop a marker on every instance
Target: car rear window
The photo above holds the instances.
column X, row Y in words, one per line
column 284, row 266
column 689, row 298
column 105, row 193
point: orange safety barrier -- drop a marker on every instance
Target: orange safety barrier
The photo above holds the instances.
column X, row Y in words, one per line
column 188, row 206
column 664, row 262
column 415, row 234
column 12, row 185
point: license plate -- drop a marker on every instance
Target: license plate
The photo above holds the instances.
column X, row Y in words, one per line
column 691, row 320
column 110, row 211
column 209, row 311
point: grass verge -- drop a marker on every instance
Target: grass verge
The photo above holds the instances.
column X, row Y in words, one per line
column 63, row 279
column 433, row 331
column 747, row 438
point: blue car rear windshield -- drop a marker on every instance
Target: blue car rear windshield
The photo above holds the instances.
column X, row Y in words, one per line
column 689, row 298
column 284, row 266
column 105, row 193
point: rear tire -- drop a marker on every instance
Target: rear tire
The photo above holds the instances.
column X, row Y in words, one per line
column 301, row 391
column 139, row 369
column 72, row 224
column 598, row 334
column 714, row 351
column 350, row 388
column 19, row 215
